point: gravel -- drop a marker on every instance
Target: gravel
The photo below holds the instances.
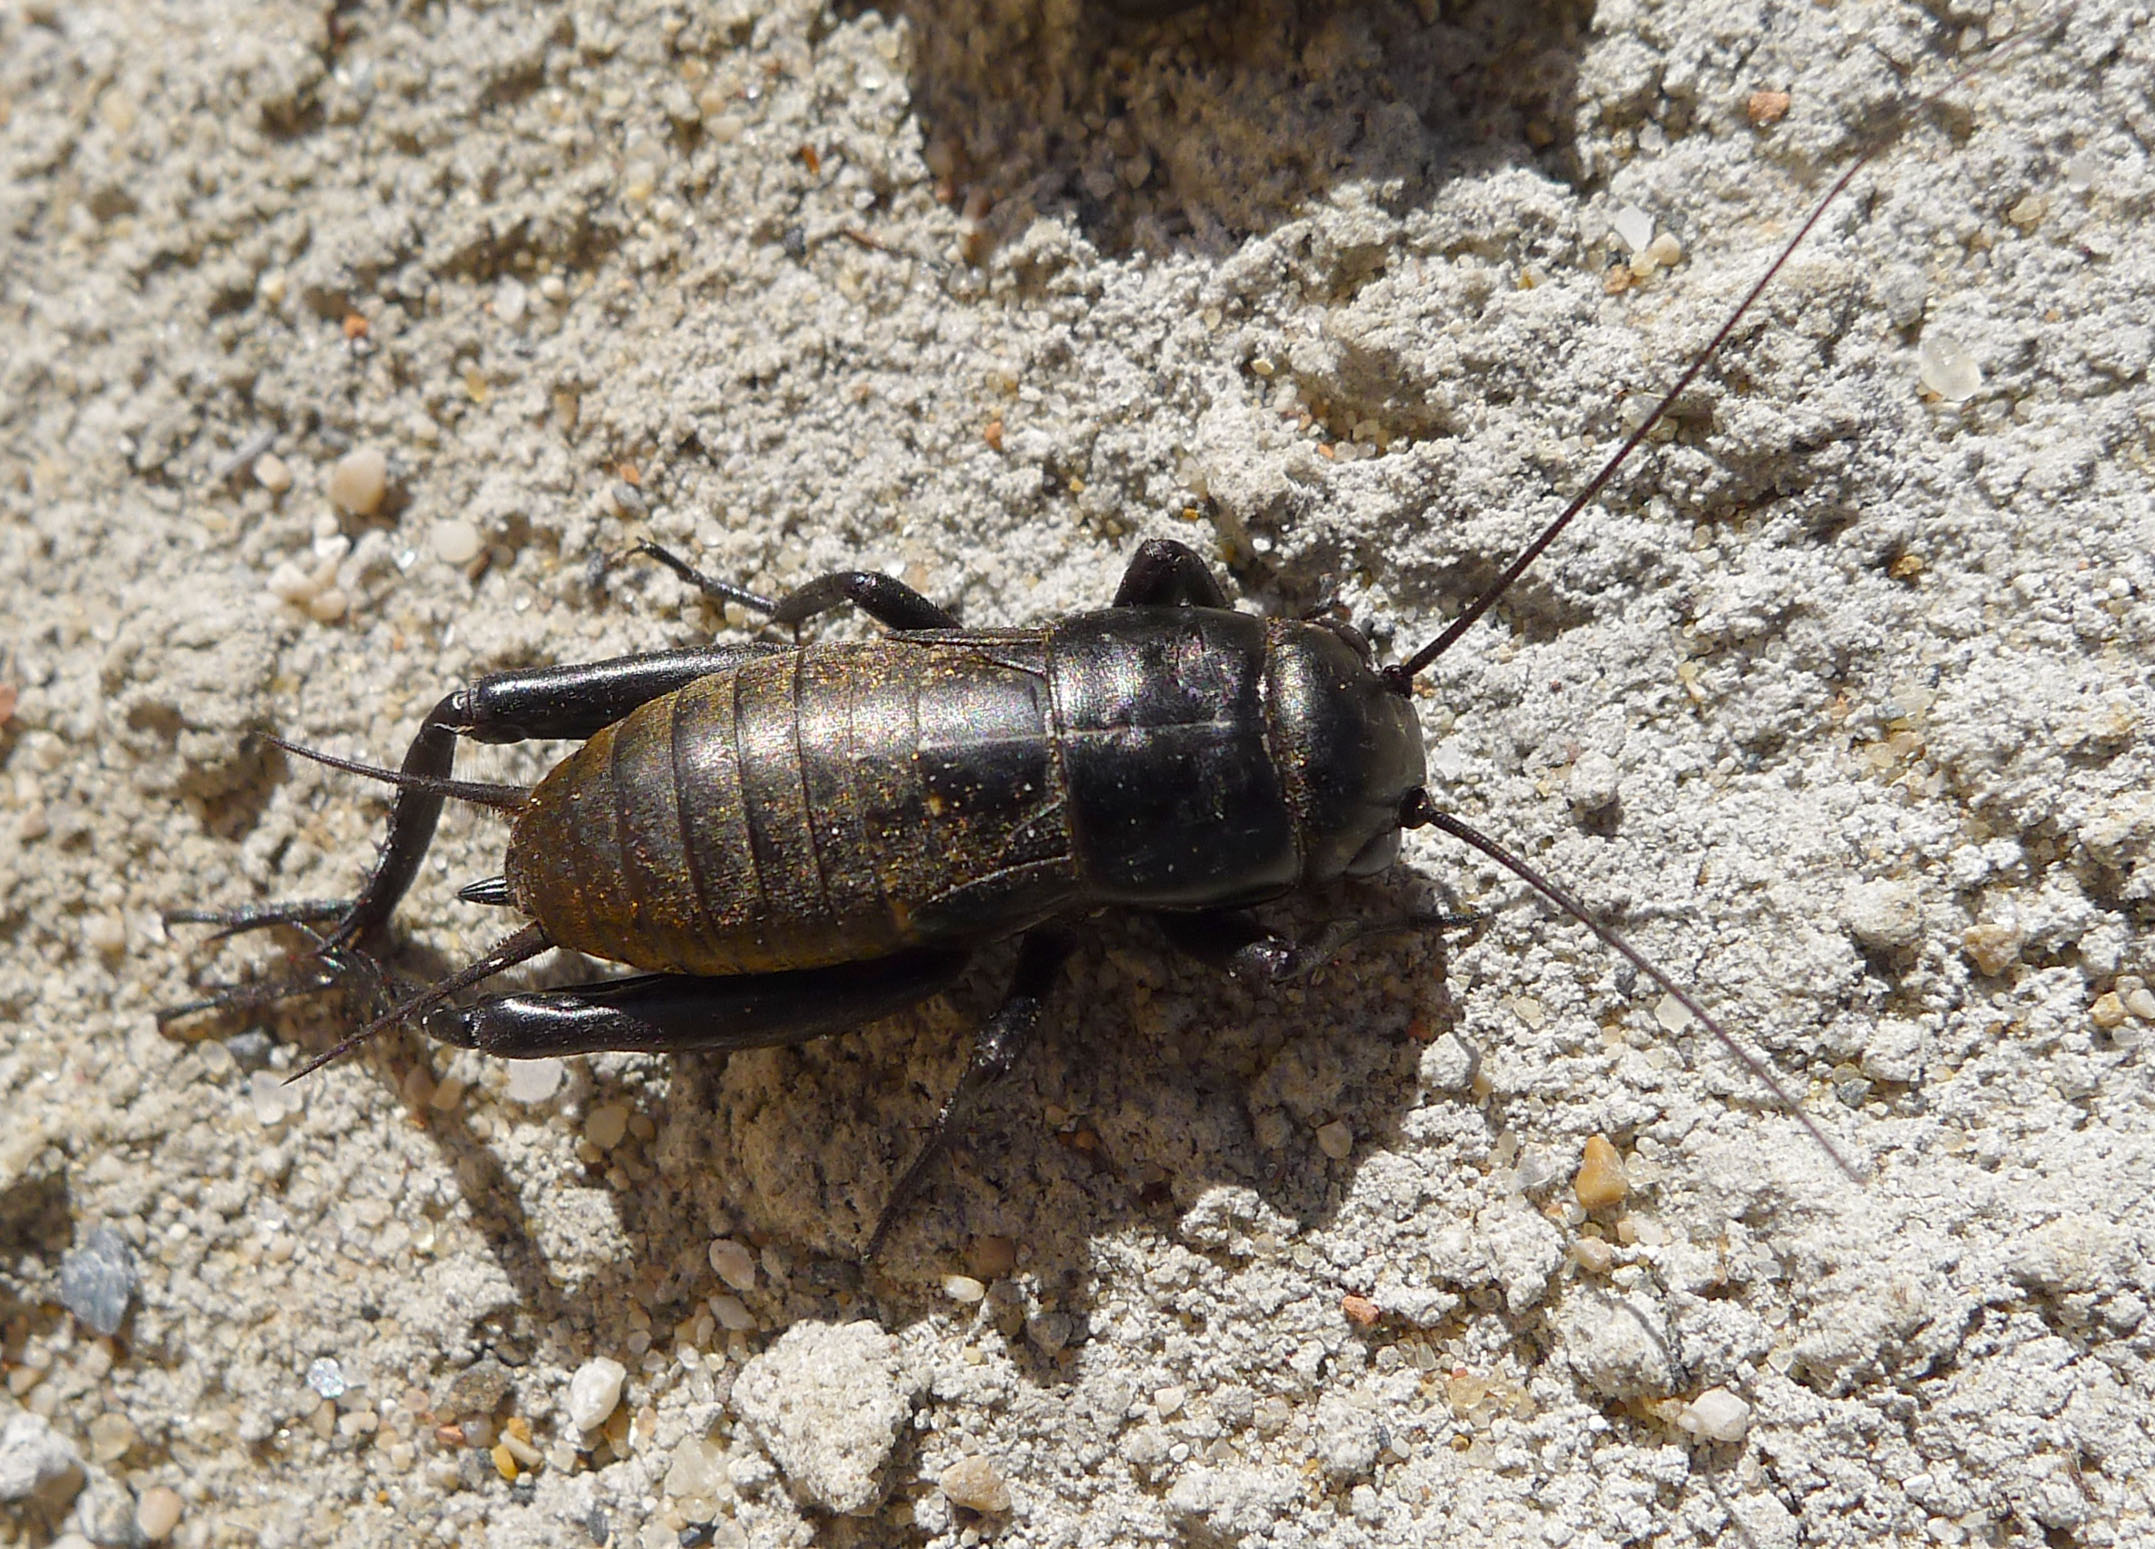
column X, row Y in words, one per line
column 1837, row 700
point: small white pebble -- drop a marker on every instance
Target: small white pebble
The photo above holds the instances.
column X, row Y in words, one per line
column 1946, row 369
column 328, row 605
column 1885, row 915
column 158, row 1512
column 455, row 541
column 963, row 1289
column 732, row 1314
column 326, row 1376
column 606, row 1125
column 1715, row 1415
column 1665, row 250
column 595, row 1392
column 359, row 480
column 273, row 473
column 1592, row 783
column 534, row 1081
column 288, row 583
column 510, row 300
column 2141, row 1003
column 733, row 1263
column 1633, row 227
column 1336, row 1139
column 698, row 1471
column 1169, row 1400
column 273, row 1101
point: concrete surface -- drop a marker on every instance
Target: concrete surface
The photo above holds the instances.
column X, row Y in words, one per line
column 1840, row 702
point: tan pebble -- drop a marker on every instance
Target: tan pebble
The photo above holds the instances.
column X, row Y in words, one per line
column 359, row 480
column 732, row 1262
column 1992, row 947
column 1336, row 1140
column 732, row 1314
column 1601, row 1175
column 273, row 473
column 1463, row 1390
column 110, row 1436
column 1767, row 107
column 158, row 1512
column 1360, row 1310
column 606, row 1125
column 2108, row 1011
column 976, row 1484
column 107, row 934
column 504, row 1461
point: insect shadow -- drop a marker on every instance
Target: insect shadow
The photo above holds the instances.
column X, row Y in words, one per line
column 1197, row 124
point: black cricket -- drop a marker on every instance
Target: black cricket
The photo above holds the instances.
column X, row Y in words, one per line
column 791, row 840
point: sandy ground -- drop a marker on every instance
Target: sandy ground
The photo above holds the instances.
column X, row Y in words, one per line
column 1840, row 702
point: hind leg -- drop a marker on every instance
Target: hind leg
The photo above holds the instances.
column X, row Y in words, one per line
column 572, row 702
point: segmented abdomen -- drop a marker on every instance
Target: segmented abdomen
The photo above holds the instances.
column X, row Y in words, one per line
column 826, row 805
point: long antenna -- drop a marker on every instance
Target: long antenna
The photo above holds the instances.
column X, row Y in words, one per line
column 1401, row 677
column 1421, row 812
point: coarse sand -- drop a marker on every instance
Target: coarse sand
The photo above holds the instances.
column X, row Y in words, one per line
column 346, row 349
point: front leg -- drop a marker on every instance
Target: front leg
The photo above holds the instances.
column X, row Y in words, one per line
column 1232, row 939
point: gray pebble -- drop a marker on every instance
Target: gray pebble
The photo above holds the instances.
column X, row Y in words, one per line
column 98, row 1280
column 250, row 1050
column 326, row 1377
column 35, row 1458
column 828, row 1403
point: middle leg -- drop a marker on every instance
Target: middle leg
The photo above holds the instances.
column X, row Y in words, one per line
column 886, row 599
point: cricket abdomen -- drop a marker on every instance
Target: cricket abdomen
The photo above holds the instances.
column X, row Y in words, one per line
column 822, row 806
